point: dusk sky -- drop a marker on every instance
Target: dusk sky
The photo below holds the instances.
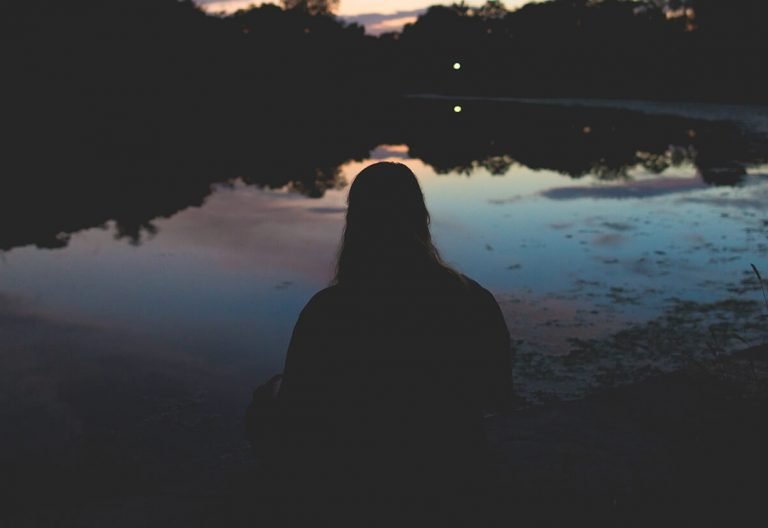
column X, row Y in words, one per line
column 377, row 16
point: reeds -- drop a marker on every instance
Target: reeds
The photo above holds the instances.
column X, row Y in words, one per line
column 760, row 281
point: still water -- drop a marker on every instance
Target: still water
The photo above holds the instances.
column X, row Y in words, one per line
column 610, row 259
column 139, row 307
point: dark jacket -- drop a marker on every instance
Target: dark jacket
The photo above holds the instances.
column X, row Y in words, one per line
column 385, row 384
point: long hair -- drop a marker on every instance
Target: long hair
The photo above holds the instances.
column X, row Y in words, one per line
column 386, row 236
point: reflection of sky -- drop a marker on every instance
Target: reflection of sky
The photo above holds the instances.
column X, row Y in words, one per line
column 214, row 277
column 226, row 281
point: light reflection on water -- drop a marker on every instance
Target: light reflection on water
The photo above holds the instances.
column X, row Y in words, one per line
column 223, row 283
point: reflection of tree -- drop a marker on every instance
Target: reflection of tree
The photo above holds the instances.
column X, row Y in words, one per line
column 497, row 165
column 133, row 188
column 657, row 163
column 315, row 185
column 731, row 173
column 574, row 141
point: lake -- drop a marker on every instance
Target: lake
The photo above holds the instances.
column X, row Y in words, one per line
column 618, row 239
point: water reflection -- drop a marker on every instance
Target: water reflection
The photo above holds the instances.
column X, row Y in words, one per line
column 582, row 221
column 617, row 244
column 44, row 208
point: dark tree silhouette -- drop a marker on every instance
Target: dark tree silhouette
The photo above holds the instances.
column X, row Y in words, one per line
column 492, row 9
column 313, row 7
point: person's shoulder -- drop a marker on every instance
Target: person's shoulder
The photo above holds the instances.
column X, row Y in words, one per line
column 324, row 297
column 473, row 286
column 449, row 282
column 478, row 292
column 320, row 307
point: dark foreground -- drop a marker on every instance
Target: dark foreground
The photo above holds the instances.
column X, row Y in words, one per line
column 686, row 449
column 679, row 450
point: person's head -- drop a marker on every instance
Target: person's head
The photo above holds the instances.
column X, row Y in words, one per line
column 387, row 229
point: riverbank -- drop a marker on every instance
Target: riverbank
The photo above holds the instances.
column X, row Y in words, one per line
column 677, row 449
column 681, row 449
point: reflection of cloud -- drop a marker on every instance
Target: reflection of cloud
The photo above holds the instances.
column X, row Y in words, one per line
column 611, row 239
column 618, row 226
column 502, row 201
column 640, row 189
column 245, row 229
column 384, row 152
column 351, row 169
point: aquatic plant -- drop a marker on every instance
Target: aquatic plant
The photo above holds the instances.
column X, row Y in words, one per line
column 760, row 281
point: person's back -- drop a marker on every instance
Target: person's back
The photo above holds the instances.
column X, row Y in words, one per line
column 389, row 370
column 393, row 380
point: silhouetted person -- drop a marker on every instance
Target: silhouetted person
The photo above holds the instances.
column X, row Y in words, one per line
column 389, row 369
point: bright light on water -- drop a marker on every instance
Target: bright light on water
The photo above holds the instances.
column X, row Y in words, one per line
column 456, row 65
column 457, row 109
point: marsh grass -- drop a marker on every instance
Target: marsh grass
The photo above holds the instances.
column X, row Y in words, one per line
column 762, row 285
column 739, row 377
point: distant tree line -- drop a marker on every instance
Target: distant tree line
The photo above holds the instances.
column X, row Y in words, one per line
column 691, row 49
column 136, row 80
